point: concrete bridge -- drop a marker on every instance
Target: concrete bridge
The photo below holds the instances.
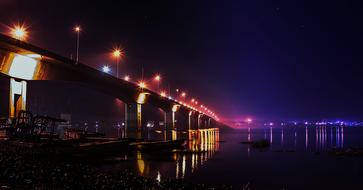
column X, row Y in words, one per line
column 22, row 62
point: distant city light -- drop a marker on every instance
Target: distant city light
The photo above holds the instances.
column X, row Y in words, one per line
column 249, row 120
column 163, row 93
column 183, row 94
column 19, row 32
column 106, row 69
column 127, row 78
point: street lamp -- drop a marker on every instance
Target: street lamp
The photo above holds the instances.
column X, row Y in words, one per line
column 77, row 29
column 142, row 84
column 183, row 94
column 157, row 78
column 163, row 94
column 106, row 69
column 19, row 32
column 117, row 54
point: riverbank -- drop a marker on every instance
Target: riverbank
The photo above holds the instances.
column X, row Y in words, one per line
column 22, row 167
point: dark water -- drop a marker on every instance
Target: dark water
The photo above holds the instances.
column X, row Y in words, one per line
column 298, row 158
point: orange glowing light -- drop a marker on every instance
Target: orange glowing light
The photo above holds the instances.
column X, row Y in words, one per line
column 163, row 93
column 142, row 84
column 157, row 77
column 117, row 53
column 77, row 29
column 19, row 32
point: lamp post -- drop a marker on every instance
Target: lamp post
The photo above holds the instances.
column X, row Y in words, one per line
column 117, row 54
column 77, row 29
column 157, row 78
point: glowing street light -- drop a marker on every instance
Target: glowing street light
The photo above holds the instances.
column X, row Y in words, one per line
column 142, row 84
column 19, row 32
column 183, row 94
column 163, row 94
column 117, row 53
column 127, row 78
column 77, row 29
column 106, row 69
column 157, row 78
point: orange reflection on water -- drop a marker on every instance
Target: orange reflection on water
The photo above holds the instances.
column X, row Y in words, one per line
column 203, row 143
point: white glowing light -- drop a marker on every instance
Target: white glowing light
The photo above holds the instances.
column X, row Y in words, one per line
column 106, row 69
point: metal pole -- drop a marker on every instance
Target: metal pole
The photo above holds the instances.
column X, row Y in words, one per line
column 142, row 72
column 117, row 62
column 77, row 47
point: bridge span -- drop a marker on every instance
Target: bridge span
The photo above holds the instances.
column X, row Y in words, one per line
column 22, row 62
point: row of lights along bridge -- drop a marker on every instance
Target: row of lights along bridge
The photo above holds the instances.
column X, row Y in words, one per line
column 20, row 32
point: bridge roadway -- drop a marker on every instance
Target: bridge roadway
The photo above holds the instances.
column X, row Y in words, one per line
column 21, row 61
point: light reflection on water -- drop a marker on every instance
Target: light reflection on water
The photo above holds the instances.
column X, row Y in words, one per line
column 201, row 147
column 295, row 153
column 325, row 137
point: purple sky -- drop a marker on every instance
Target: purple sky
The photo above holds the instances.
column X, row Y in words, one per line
column 289, row 60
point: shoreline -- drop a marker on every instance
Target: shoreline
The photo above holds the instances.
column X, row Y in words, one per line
column 39, row 168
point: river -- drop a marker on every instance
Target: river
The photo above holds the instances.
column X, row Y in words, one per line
column 298, row 158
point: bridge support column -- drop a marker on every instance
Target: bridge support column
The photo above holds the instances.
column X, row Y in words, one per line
column 190, row 120
column 208, row 122
column 170, row 129
column 133, row 120
column 193, row 120
column 17, row 97
column 200, row 121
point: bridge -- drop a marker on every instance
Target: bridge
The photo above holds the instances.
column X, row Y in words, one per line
column 22, row 62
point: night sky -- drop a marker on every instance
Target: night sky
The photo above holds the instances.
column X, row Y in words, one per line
column 264, row 59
